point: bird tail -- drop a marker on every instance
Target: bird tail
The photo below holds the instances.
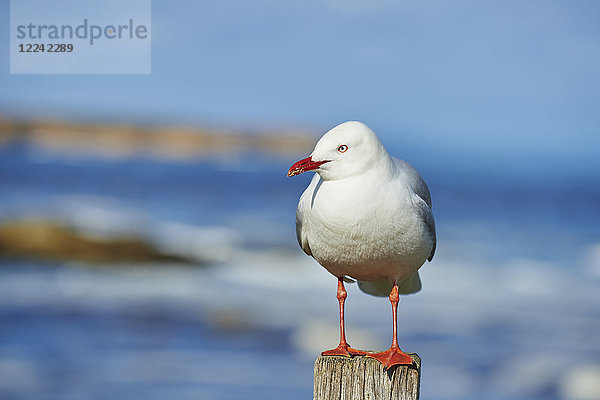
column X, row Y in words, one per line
column 410, row 285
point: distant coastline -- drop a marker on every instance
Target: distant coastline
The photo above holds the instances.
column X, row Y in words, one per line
column 117, row 140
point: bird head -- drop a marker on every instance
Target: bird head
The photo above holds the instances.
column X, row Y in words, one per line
column 347, row 150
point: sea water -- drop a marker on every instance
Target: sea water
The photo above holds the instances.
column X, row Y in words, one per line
column 509, row 306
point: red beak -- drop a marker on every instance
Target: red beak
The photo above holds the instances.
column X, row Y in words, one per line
column 304, row 165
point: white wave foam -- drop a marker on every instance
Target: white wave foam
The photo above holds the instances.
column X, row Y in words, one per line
column 524, row 313
column 206, row 243
column 100, row 216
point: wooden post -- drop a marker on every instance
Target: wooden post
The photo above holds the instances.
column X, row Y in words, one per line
column 363, row 378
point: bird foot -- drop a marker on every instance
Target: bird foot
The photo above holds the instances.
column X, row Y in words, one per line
column 344, row 350
column 392, row 356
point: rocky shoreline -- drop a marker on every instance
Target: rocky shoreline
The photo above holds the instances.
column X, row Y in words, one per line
column 41, row 239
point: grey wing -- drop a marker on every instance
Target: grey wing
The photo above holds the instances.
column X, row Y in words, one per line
column 422, row 201
column 304, row 206
column 427, row 217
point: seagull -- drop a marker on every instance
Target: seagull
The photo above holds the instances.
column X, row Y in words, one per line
column 365, row 216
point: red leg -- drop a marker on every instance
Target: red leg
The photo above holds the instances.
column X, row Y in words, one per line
column 344, row 348
column 393, row 356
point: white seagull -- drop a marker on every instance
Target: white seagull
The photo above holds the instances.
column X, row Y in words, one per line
column 365, row 215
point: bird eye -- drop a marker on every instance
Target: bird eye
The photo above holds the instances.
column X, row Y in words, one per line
column 342, row 148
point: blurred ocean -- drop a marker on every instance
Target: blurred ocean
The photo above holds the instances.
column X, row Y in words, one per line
column 509, row 306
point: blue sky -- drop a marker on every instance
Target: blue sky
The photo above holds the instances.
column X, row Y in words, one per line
column 506, row 78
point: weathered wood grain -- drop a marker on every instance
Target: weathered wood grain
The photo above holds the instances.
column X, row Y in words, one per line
column 363, row 378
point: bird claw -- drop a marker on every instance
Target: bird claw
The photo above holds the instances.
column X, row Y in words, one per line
column 344, row 350
column 392, row 356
